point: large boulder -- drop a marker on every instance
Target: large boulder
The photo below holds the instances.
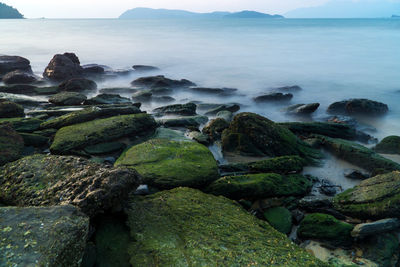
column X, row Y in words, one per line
column 167, row 164
column 359, row 106
column 11, row 144
column 41, row 180
column 67, row 99
column 63, row 67
column 254, row 135
column 185, row 227
column 12, row 63
column 161, row 81
column 10, row 109
column 71, row 139
column 77, row 85
column 18, row 77
column 375, row 198
column 42, row 236
column 389, row 145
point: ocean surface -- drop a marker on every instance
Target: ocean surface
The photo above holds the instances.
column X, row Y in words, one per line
column 331, row 59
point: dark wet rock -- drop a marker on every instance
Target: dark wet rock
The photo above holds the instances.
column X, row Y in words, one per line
column 107, row 99
column 389, row 145
column 229, row 107
column 356, row 174
column 42, row 236
column 144, row 68
column 47, row 90
column 215, row 128
column 63, row 67
column 188, row 109
column 93, row 69
column 320, row 204
column 118, row 90
column 326, row 228
column 199, row 137
column 163, row 99
column 105, row 148
column 70, row 139
column 161, row 81
column 363, row 230
column 303, row 109
column 328, row 188
column 67, row 99
column 157, row 159
column 297, row 216
column 77, row 85
column 273, row 97
column 41, row 180
column 89, row 114
column 188, row 121
column 19, row 77
column 294, row 88
column 382, row 249
column 213, row 91
column 255, row 186
column 358, row 155
column 12, row 63
column 25, row 125
column 374, row 198
column 226, row 115
column 10, row 109
column 89, row 256
column 18, row 89
column 11, row 144
column 254, row 135
column 162, row 91
column 280, row 218
column 142, row 96
column 35, row 140
column 358, row 107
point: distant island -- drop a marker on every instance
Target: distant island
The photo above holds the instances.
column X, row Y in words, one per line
column 149, row 13
column 8, row 12
column 395, row 16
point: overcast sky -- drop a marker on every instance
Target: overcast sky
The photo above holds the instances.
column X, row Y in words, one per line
column 114, row 8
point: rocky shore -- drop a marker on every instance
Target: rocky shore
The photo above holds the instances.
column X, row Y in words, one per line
column 88, row 177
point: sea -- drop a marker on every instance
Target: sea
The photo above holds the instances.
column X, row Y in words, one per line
column 331, row 59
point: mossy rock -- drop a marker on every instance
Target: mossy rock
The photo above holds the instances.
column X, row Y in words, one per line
column 35, row 140
column 215, row 128
column 358, row 155
column 389, row 145
column 254, row 135
column 377, row 197
column 382, row 249
column 42, row 236
column 280, row 218
column 105, row 148
column 255, row 186
column 10, row 109
column 325, row 228
column 167, row 164
column 11, row 144
column 75, row 137
column 67, row 99
column 185, row 227
column 25, row 125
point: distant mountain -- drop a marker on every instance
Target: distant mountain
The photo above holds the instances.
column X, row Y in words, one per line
column 8, row 12
column 348, row 9
column 149, row 13
column 395, row 16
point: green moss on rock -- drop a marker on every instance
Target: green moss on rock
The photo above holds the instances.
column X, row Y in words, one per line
column 25, row 125
column 185, row 227
column 382, row 249
column 389, row 145
column 280, row 218
column 167, row 164
column 35, row 140
column 11, row 144
column 10, row 109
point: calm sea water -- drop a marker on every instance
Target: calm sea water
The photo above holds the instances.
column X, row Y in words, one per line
column 331, row 59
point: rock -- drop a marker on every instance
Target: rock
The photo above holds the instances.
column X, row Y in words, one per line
column 88, row 114
column 213, row 91
column 25, row 125
column 188, row 121
column 163, row 99
column 280, row 218
column 161, row 81
column 294, row 88
column 41, row 180
column 254, row 135
column 12, row 63
column 72, row 138
column 355, row 174
column 328, row 188
column 374, row 198
column 47, row 90
column 77, row 85
column 209, row 227
column 67, row 99
column 188, row 109
column 11, row 144
column 199, row 137
column 167, row 164
column 358, row 107
column 303, row 109
column 107, row 99
column 144, row 68
column 89, row 256
column 25, row 89
column 34, row 140
column 63, row 67
column 226, row 115
column 215, row 128
column 173, row 135
column 142, row 96
column 363, row 230
column 297, row 216
column 358, row 155
column 320, row 204
column 93, row 69
column 118, row 90
column 42, row 236
column 18, row 77
column 161, row 91
column 10, row 109
column 382, row 249
column 327, row 228
column 389, row 145
column 230, row 107
column 105, row 148
column 256, row 186
column 273, row 97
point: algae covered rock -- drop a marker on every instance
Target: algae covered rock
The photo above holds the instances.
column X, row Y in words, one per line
column 10, row 109
column 389, row 145
column 377, row 197
column 185, row 227
column 25, row 125
column 254, row 135
column 382, row 249
column 42, row 236
column 215, row 128
column 67, row 99
column 167, row 164
column 188, row 109
column 41, row 180
column 11, row 144
column 358, row 106
column 260, row 186
column 325, row 227
column 75, row 137
column 280, row 218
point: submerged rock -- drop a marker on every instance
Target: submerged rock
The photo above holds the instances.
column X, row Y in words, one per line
column 167, row 164
column 144, row 68
column 41, row 180
column 142, row 96
column 42, row 236
column 188, row 121
column 184, row 227
column 12, row 63
column 77, row 85
column 107, row 99
column 67, row 99
column 273, row 97
column 389, row 145
column 358, row 107
column 63, row 67
column 11, row 144
column 188, row 109
column 303, row 109
column 213, row 91
column 280, row 218
column 10, row 109
column 229, row 107
column 293, row 88
column 161, row 81
column 19, row 77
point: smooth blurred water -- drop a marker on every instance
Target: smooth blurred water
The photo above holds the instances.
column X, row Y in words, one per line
column 332, row 59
